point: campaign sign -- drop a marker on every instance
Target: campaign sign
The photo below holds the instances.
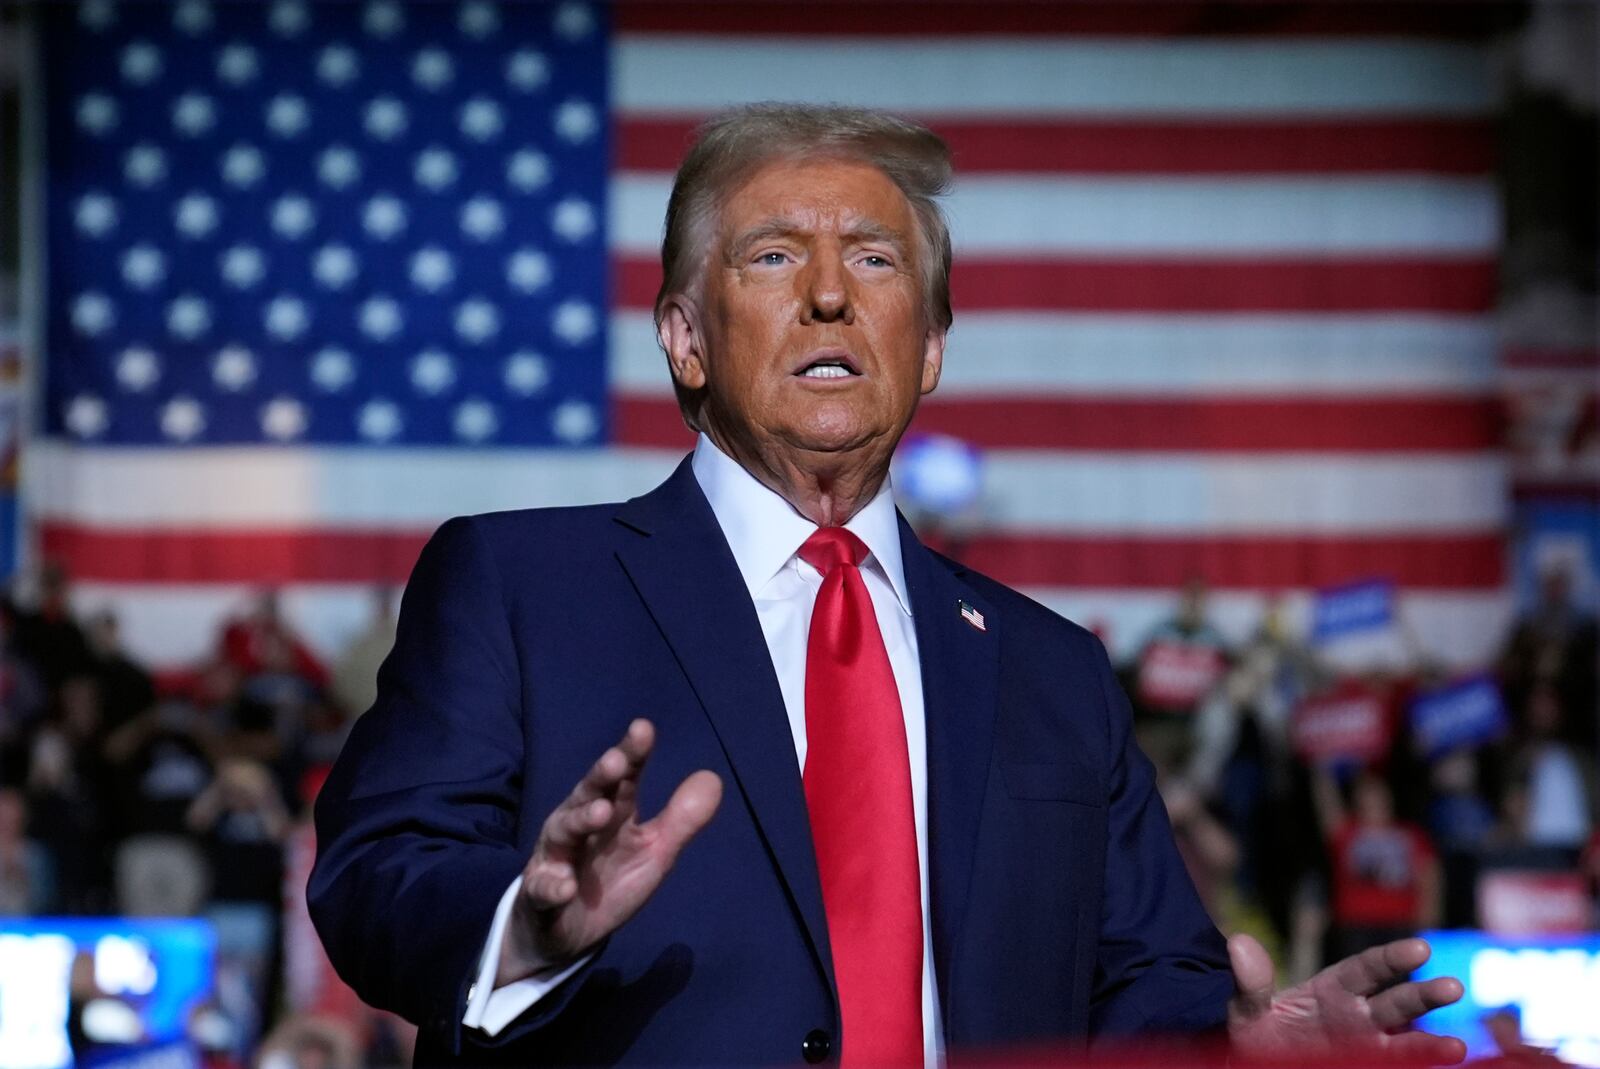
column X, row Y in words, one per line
column 1548, row 985
column 1174, row 676
column 1346, row 725
column 1465, row 713
column 1514, row 902
column 160, row 968
column 1352, row 609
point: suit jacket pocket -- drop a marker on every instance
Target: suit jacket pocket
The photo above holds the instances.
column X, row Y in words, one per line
column 1051, row 782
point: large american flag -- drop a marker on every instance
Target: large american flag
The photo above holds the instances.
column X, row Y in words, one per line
column 321, row 275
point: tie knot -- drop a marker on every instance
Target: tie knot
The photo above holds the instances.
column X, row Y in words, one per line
column 829, row 547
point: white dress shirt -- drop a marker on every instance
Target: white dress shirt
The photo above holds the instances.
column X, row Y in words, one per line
column 764, row 531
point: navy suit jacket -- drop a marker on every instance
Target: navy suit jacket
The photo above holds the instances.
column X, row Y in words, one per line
column 528, row 640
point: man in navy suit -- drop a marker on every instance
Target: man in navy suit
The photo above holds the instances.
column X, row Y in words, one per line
column 485, row 867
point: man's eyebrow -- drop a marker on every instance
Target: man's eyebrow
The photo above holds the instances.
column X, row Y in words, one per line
column 867, row 230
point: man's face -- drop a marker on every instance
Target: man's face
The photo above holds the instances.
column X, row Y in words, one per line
column 812, row 336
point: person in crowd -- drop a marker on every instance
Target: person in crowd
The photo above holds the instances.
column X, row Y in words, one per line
column 1385, row 871
column 23, row 699
column 1560, row 788
column 355, row 675
column 49, row 636
column 262, row 640
column 1556, row 643
column 242, row 822
column 242, row 825
column 1180, row 663
column 126, row 689
column 1460, row 820
column 161, row 761
column 302, row 1041
column 66, row 788
column 26, row 880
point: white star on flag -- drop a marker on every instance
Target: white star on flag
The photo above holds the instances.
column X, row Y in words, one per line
column 379, row 420
column 243, row 266
column 233, row 368
column 182, row 418
column 138, row 369
column 332, row 369
column 475, row 420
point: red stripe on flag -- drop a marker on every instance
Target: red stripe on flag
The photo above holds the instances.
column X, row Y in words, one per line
column 265, row 557
column 1256, row 424
column 1252, row 562
column 1087, row 146
column 1104, row 561
column 1552, row 359
column 1346, row 284
column 1152, row 19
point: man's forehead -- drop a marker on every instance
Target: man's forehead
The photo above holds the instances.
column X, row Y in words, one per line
column 846, row 196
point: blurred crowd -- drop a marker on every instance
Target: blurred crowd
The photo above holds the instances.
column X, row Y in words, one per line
column 123, row 793
column 1322, row 851
column 189, row 795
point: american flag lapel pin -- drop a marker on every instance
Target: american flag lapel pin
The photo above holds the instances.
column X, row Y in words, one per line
column 972, row 616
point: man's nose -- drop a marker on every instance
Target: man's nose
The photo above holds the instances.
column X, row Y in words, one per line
column 825, row 292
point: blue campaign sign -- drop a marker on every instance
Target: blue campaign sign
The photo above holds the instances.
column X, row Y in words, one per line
column 160, row 968
column 1352, row 608
column 1465, row 713
column 1541, row 990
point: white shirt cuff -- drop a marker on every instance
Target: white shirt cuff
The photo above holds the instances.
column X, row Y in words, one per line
column 490, row 1009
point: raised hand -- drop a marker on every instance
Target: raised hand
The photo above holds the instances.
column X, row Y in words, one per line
column 1362, row 1005
column 595, row 864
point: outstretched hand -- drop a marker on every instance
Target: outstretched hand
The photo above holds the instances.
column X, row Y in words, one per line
column 595, row 863
column 1363, row 1005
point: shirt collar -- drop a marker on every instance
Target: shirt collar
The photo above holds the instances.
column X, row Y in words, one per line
column 764, row 530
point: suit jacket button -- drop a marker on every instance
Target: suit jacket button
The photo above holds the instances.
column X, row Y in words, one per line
column 815, row 1047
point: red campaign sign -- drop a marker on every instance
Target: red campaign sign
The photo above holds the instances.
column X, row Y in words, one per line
column 1344, row 725
column 1176, row 675
column 1533, row 903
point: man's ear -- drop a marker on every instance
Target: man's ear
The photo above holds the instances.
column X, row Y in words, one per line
column 932, row 359
column 681, row 339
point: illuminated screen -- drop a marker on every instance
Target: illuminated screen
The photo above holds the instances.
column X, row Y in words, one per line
column 1551, row 982
column 161, row 968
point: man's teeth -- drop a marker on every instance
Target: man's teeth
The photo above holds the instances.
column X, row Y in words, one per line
column 826, row 371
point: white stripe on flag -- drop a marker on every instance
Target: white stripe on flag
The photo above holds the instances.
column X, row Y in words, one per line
column 1026, row 490
column 1005, row 353
column 1084, row 75
column 1414, row 216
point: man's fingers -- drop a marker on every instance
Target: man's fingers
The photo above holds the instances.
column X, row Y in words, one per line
column 621, row 762
column 566, row 828
column 1252, row 975
column 1397, row 1007
column 549, row 884
column 690, row 808
column 613, row 778
column 638, row 741
column 1382, row 966
column 1423, row 1048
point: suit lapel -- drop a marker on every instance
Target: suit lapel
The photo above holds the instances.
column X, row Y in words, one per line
column 960, row 689
column 686, row 575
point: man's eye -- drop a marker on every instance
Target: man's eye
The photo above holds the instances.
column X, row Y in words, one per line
column 874, row 260
column 771, row 258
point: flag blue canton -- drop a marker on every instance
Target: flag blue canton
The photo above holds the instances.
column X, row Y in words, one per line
column 373, row 223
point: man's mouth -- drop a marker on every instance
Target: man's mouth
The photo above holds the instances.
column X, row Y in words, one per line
column 829, row 365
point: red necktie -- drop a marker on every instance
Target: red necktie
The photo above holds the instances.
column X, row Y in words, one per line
column 858, row 793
